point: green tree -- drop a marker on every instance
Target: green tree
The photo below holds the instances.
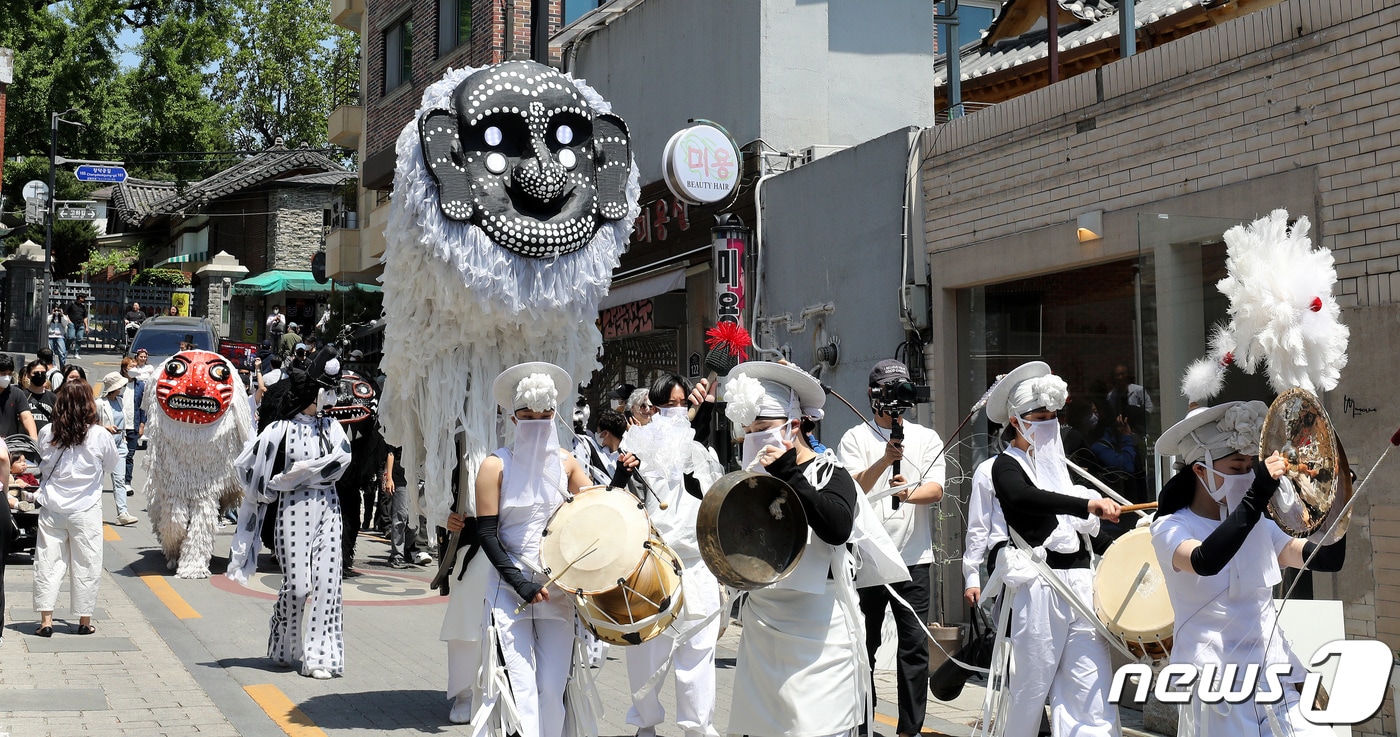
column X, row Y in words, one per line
column 276, row 80
column 73, row 240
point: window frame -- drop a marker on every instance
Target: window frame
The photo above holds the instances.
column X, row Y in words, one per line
column 461, row 31
column 402, row 30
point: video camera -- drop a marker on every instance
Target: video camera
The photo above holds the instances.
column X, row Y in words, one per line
column 897, row 397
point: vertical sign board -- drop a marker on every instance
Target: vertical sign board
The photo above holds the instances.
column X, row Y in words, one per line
column 730, row 245
column 181, row 302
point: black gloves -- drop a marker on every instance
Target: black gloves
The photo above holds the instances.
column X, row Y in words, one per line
column 1329, row 559
column 487, row 531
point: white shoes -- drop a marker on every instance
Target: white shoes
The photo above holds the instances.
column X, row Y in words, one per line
column 321, row 674
column 421, row 558
column 461, row 710
column 126, row 519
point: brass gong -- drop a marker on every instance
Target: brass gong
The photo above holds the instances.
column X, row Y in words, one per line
column 1317, row 481
column 752, row 530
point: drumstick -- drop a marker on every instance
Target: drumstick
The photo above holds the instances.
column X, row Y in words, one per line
column 556, row 576
column 1138, row 507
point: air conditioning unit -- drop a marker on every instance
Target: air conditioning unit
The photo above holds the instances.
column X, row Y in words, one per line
column 819, row 151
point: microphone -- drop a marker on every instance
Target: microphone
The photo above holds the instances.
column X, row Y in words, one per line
column 896, row 434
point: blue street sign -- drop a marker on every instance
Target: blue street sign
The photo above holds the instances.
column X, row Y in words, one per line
column 91, row 173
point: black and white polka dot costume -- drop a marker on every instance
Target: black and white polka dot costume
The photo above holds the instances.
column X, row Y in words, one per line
column 307, row 621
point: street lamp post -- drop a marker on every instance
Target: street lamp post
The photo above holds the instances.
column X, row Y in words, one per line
column 49, row 213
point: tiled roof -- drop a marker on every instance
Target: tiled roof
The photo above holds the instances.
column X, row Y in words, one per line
column 330, row 178
column 979, row 61
column 138, row 200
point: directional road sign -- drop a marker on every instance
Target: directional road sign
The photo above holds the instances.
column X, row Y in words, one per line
column 77, row 213
column 93, row 173
column 34, row 212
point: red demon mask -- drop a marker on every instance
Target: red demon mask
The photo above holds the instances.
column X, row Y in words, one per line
column 195, row 387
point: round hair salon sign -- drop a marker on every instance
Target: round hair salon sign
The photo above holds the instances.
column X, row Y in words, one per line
column 702, row 164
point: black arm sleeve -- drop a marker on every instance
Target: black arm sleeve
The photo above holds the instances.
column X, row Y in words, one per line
column 692, row 486
column 487, row 533
column 1329, row 559
column 831, row 512
column 1015, row 491
column 704, row 418
column 1221, row 545
column 621, row 477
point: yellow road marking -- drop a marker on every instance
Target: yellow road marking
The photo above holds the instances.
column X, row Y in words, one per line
column 881, row 718
column 283, row 712
column 109, row 533
column 166, row 593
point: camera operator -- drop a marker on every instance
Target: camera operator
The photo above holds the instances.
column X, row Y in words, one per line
column 884, row 459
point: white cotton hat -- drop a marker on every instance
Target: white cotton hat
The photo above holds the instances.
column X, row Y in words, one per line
column 505, row 389
column 1233, row 427
column 764, row 388
column 1014, row 394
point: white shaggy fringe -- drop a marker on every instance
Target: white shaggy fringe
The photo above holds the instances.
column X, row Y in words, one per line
column 190, row 478
column 1275, row 279
column 459, row 310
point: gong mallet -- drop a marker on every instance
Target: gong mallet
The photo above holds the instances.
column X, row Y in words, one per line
column 561, row 572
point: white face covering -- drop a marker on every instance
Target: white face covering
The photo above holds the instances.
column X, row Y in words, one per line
column 678, row 412
column 1040, row 434
column 1227, row 489
column 535, row 469
column 5, row 382
column 754, row 442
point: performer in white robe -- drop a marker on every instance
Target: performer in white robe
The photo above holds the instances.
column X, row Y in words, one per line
column 294, row 462
column 986, row 531
column 669, row 454
column 1221, row 562
column 801, row 670
column 517, row 490
column 1055, row 651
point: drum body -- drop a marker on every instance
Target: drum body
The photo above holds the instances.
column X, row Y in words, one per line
column 752, row 530
column 1130, row 596
column 642, row 605
column 595, row 540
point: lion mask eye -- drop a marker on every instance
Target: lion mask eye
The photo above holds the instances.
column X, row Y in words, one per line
column 176, row 369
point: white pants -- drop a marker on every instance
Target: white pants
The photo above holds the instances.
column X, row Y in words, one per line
column 538, row 654
column 1056, row 653
column 308, row 622
column 69, row 541
column 1249, row 719
column 694, row 661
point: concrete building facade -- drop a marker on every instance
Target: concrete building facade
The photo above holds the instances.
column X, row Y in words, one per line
column 1294, row 106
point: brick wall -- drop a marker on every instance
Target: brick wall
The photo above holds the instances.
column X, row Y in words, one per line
column 1306, row 91
column 386, row 113
column 294, row 230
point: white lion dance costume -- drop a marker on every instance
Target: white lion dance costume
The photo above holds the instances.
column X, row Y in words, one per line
column 201, row 425
column 514, row 197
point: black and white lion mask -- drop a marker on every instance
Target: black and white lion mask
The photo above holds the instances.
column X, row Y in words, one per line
column 514, row 197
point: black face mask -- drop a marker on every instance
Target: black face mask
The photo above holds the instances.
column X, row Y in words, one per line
column 36, row 380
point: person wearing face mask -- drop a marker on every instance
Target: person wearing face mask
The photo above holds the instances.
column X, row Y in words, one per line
column 871, row 454
column 1055, row 651
column 15, row 415
column 1221, row 560
column 801, row 668
column 677, row 470
column 41, row 398
column 292, row 466
column 640, row 408
column 517, row 490
column 58, row 328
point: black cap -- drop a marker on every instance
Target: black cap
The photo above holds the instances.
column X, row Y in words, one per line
column 888, row 370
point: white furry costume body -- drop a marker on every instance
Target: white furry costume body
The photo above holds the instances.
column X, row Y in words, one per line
column 460, row 309
column 190, row 478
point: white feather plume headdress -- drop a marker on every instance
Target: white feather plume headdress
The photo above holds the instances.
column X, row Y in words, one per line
column 1282, row 313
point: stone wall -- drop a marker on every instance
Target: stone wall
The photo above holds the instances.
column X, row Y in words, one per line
column 1294, row 106
column 294, row 230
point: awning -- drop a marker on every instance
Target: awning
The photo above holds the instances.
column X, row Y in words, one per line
column 649, row 286
column 181, row 259
column 278, row 281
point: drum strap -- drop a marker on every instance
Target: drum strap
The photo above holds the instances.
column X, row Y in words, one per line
column 1063, row 589
column 895, row 595
column 677, row 639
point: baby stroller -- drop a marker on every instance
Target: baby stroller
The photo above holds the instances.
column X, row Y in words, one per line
column 26, row 517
